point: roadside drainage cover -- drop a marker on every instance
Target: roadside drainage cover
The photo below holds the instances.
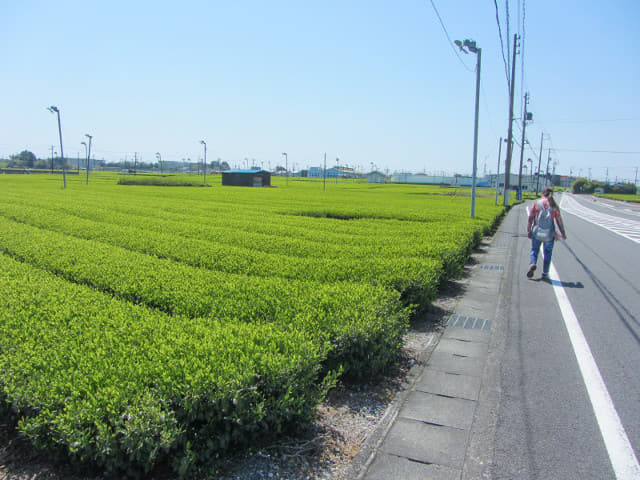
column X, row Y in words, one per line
column 471, row 323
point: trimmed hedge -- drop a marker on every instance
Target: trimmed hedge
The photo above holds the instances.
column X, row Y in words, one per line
column 102, row 381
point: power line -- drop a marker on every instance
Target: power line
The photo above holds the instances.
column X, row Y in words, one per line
column 604, row 120
column 449, row 38
column 504, row 60
column 596, row 151
column 522, row 43
column 508, row 37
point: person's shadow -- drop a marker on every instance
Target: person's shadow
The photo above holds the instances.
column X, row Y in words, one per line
column 560, row 283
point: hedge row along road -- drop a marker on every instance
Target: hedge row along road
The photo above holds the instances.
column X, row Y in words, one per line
column 142, row 325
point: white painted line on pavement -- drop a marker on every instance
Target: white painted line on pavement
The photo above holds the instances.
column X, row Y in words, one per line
column 624, row 227
column 621, row 454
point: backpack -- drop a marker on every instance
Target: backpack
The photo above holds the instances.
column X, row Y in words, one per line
column 544, row 229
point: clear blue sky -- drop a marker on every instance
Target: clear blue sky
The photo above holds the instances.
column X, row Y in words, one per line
column 370, row 82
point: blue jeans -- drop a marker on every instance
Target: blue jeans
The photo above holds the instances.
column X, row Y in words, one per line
column 547, row 250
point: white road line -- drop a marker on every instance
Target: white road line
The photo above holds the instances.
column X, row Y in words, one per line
column 621, row 454
column 624, row 227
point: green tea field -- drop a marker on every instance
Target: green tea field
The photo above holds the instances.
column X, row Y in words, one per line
column 145, row 324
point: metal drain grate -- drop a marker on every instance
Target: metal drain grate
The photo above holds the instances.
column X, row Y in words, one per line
column 472, row 323
column 492, row 267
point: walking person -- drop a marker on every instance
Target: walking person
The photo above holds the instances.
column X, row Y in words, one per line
column 541, row 229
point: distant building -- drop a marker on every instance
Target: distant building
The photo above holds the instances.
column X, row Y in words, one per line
column 333, row 172
column 422, row 179
column 246, row 178
column 315, row 172
column 376, row 177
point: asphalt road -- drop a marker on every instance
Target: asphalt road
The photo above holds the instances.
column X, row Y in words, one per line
column 544, row 424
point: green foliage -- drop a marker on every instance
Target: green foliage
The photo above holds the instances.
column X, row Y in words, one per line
column 25, row 159
column 583, row 185
column 100, row 380
column 624, row 197
column 162, row 180
column 140, row 326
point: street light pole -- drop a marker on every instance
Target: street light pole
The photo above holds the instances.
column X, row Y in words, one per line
column 90, row 137
column 86, row 155
column 54, row 109
column 324, row 176
column 286, row 165
column 159, row 157
column 471, row 46
column 205, row 160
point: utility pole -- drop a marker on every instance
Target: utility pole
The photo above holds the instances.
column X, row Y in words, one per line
column 51, row 159
column 135, row 163
column 539, row 161
column 498, row 172
column 507, row 171
column 525, row 117
column 546, row 177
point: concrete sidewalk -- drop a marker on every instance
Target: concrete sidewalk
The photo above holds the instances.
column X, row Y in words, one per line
column 428, row 431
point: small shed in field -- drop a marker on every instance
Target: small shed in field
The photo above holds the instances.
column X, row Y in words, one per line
column 246, row 178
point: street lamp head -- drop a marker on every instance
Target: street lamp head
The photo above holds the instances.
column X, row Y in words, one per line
column 460, row 46
column 471, row 45
column 88, row 136
column 203, row 142
column 83, row 143
column 53, row 109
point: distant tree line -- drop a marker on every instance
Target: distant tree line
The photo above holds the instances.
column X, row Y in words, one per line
column 27, row 159
column 583, row 185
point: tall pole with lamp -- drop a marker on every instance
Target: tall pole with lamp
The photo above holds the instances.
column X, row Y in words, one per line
column 205, row 160
column 54, row 109
column 470, row 45
column 86, row 155
column 286, row 165
column 90, row 137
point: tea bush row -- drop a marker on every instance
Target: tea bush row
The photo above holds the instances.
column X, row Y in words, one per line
column 121, row 387
column 362, row 323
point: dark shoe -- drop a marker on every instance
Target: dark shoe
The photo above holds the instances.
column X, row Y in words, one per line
column 532, row 269
column 545, row 276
